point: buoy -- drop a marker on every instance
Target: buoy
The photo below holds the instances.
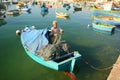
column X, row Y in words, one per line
column 23, row 30
column 70, row 75
column 88, row 25
column 17, row 32
column 33, row 27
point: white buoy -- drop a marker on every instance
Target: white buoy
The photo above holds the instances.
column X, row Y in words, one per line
column 33, row 27
column 18, row 32
column 88, row 25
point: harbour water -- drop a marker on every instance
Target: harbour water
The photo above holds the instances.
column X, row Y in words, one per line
column 98, row 49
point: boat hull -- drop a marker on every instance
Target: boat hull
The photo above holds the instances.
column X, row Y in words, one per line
column 61, row 14
column 33, row 40
column 103, row 28
column 59, row 66
column 111, row 22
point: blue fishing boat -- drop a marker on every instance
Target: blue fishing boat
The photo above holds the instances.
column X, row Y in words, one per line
column 103, row 32
column 37, row 47
column 111, row 22
column 67, row 7
column 103, row 27
column 44, row 9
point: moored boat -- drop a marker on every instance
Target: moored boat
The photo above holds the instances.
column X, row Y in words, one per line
column 107, row 21
column 44, row 9
column 37, row 47
column 61, row 14
column 103, row 27
column 63, row 17
column 13, row 12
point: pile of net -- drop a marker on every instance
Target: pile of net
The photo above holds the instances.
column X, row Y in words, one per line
column 52, row 51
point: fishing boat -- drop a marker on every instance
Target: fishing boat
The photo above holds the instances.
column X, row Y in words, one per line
column 25, row 9
column 67, row 7
column 113, row 21
column 103, row 27
column 37, row 47
column 63, row 17
column 77, row 8
column 44, row 9
column 103, row 32
column 13, row 12
column 61, row 14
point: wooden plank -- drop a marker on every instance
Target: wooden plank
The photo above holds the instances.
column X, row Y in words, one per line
column 115, row 72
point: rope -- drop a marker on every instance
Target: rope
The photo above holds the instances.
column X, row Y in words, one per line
column 98, row 69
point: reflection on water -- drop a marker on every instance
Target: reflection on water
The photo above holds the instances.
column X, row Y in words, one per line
column 15, row 15
column 26, row 12
column 98, row 50
column 44, row 13
column 2, row 22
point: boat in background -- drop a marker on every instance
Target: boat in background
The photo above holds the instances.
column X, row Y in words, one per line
column 103, row 32
column 103, row 27
column 63, row 17
column 44, row 9
column 37, row 47
column 12, row 12
column 23, row 7
column 61, row 14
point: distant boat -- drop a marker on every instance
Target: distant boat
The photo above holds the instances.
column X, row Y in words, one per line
column 67, row 7
column 114, row 21
column 25, row 9
column 63, row 17
column 77, row 8
column 103, row 32
column 49, row 5
column 13, row 12
column 44, row 9
column 103, row 27
column 61, row 14
column 37, row 47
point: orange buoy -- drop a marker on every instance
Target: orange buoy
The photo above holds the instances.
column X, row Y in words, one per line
column 71, row 75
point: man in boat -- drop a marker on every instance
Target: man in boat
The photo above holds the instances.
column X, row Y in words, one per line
column 55, row 32
column 53, row 50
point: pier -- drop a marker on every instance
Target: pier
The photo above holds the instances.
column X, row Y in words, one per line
column 115, row 72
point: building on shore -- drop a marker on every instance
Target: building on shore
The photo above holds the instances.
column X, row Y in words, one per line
column 55, row 0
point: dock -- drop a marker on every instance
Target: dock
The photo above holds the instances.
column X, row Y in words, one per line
column 115, row 72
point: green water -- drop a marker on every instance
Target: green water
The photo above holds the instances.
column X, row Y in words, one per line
column 99, row 50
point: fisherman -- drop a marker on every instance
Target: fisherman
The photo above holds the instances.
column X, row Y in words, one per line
column 55, row 32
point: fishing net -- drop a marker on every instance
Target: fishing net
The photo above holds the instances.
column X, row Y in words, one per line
column 55, row 50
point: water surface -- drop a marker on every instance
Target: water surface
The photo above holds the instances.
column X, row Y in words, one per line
column 98, row 49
